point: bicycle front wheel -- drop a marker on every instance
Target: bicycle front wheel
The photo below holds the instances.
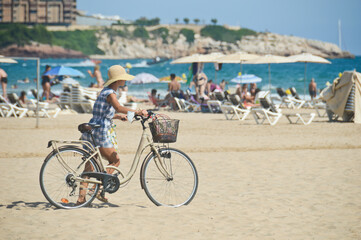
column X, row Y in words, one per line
column 181, row 185
column 58, row 176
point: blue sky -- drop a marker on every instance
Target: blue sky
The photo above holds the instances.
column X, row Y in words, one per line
column 313, row 19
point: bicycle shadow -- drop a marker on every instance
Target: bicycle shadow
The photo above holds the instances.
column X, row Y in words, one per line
column 20, row 205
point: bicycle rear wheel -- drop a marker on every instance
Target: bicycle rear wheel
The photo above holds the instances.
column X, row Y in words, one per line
column 175, row 191
column 60, row 186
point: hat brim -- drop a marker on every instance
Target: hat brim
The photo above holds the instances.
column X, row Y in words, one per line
column 125, row 77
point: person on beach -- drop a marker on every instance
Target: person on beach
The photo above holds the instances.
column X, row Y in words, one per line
column 22, row 97
column 174, row 86
column 98, row 76
column 167, row 101
column 212, row 87
column 4, row 81
column 106, row 108
column 200, row 83
column 312, row 88
column 223, row 85
column 45, row 83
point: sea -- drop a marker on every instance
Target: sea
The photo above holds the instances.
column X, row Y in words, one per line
column 281, row 75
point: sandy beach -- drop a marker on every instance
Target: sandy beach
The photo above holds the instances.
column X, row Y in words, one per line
column 256, row 182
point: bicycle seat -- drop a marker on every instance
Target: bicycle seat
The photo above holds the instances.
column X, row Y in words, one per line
column 87, row 127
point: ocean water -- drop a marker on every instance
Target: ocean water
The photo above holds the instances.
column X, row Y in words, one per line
column 282, row 75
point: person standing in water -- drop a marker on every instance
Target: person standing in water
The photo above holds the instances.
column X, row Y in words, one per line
column 4, row 81
column 98, row 77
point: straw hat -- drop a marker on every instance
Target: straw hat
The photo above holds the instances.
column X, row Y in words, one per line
column 117, row 73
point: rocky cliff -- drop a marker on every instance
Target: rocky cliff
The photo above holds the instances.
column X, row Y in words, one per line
column 262, row 43
column 40, row 50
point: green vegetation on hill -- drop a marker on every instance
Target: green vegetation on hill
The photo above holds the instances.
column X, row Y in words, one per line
column 83, row 41
column 188, row 33
column 220, row 33
column 86, row 42
column 22, row 35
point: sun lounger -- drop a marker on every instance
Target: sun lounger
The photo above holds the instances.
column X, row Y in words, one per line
column 296, row 117
column 236, row 109
column 215, row 106
column 44, row 109
column 268, row 111
column 8, row 109
column 288, row 101
column 187, row 106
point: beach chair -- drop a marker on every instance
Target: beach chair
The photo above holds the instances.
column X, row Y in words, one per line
column 8, row 109
column 269, row 111
column 296, row 117
column 44, row 109
column 186, row 106
column 215, row 106
column 203, row 106
column 219, row 96
column 236, row 109
column 288, row 101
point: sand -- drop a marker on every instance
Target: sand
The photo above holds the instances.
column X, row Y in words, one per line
column 256, row 182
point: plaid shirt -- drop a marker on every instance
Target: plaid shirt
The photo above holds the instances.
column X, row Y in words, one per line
column 103, row 113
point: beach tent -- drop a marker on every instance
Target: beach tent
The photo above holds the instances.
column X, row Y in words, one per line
column 268, row 59
column 337, row 94
column 307, row 58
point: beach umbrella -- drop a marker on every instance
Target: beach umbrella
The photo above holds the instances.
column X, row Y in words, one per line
column 237, row 57
column 166, row 79
column 7, row 60
column 199, row 58
column 308, row 58
column 64, row 71
column 268, row 59
column 143, row 78
column 246, row 78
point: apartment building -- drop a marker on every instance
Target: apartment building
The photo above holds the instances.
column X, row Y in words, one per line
column 49, row 12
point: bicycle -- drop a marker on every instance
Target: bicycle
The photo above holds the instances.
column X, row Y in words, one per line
column 167, row 175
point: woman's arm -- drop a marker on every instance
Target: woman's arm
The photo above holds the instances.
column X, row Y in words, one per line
column 90, row 73
column 112, row 99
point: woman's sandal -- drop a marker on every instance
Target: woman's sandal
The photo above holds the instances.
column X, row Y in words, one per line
column 99, row 196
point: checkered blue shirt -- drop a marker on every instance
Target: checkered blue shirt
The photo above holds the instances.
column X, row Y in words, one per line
column 103, row 113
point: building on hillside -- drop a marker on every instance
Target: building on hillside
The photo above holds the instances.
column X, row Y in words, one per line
column 49, row 12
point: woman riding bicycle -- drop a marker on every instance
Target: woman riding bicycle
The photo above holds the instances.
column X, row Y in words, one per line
column 106, row 108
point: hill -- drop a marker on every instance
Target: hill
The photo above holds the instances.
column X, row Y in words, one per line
column 170, row 41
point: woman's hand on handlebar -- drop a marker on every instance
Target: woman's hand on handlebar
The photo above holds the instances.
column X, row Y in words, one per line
column 141, row 112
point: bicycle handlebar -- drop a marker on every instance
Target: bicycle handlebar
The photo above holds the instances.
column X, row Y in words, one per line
column 144, row 119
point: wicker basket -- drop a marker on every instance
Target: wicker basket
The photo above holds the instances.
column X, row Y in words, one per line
column 164, row 130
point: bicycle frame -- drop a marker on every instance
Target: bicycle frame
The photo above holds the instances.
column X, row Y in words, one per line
column 144, row 143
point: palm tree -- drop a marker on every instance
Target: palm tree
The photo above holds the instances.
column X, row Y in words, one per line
column 186, row 20
column 214, row 21
column 176, row 20
column 196, row 20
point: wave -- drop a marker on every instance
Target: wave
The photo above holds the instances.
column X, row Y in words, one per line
column 85, row 63
column 142, row 64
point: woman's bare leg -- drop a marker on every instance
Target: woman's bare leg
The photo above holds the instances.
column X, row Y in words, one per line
column 3, row 85
column 112, row 156
column 46, row 92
